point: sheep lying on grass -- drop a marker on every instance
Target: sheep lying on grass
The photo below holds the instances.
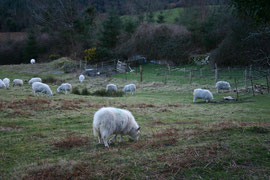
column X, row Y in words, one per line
column 17, row 82
column 202, row 94
column 81, row 78
column 64, row 87
column 109, row 120
column 6, row 81
column 36, row 79
column 41, row 87
column 32, row 61
column 111, row 87
column 223, row 85
column 129, row 88
column 2, row 84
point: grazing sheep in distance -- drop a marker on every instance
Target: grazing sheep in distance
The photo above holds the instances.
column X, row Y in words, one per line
column 32, row 61
column 111, row 87
column 64, row 87
column 109, row 120
column 2, row 84
column 41, row 87
column 202, row 94
column 17, row 82
column 6, row 81
column 36, row 79
column 129, row 88
column 223, row 85
column 81, row 78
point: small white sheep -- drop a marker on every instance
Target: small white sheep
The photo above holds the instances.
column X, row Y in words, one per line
column 109, row 120
column 81, row 78
column 17, row 82
column 6, row 81
column 2, row 84
column 111, row 87
column 223, row 85
column 41, row 87
column 36, row 79
column 129, row 88
column 202, row 94
column 32, row 61
column 64, row 87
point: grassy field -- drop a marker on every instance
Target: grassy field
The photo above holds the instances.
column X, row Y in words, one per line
column 51, row 138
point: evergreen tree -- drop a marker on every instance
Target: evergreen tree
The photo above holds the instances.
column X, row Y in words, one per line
column 31, row 49
column 160, row 18
column 130, row 26
column 111, row 30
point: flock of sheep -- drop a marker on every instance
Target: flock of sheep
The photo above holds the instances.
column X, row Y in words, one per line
column 109, row 120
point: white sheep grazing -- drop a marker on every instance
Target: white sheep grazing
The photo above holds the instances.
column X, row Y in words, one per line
column 64, row 87
column 2, row 84
column 17, row 82
column 202, row 94
column 6, row 81
column 111, row 87
column 109, row 120
column 32, row 61
column 36, row 79
column 41, row 87
column 81, row 78
column 223, row 85
column 129, row 88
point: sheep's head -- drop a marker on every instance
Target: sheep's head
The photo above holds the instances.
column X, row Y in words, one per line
column 135, row 133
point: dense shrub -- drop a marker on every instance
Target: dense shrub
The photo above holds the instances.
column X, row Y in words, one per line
column 76, row 90
column 85, row 91
column 162, row 41
column 104, row 93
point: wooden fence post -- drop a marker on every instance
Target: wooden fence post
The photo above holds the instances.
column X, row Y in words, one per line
column 230, row 75
column 252, row 86
column 235, row 82
column 216, row 72
column 190, row 77
column 141, row 73
column 245, row 78
column 250, row 71
column 267, row 81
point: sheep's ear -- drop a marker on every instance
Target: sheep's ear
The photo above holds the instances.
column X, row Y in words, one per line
column 138, row 128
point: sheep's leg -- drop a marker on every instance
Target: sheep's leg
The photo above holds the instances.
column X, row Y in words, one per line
column 121, row 139
column 99, row 141
column 207, row 100
column 112, row 139
column 65, row 92
column 194, row 99
column 105, row 140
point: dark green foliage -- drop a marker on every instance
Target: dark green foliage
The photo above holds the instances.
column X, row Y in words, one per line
column 161, row 18
column 31, row 49
column 76, row 90
column 110, row 31
column 258, row 10
column 257, row 129
column 52, row 80
column 104, row 93
column 85, row 91
column 130, row 26
column 150, row 17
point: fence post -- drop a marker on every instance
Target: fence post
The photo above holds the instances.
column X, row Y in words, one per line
column 114, row 63
column 169, row 68
column 80, row 64
column 235, row 82
column 245, row 78
column 141, row 73
column 252, row 86
column 216, row 72
column 267, row 80
column 250, row 71
column 190, row 77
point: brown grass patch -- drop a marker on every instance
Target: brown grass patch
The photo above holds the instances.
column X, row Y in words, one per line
column 11, row 127
column 188, row 122
column 189, row 157
column 70, row 105
column 71, row 141
column 155, row 123
column 167, row 137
